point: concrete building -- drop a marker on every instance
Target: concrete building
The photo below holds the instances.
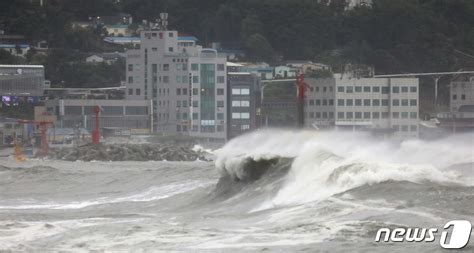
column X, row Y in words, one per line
column 281, row 72
column 386, row 106
column 460, row 118
column 118, row 30
column 244, row 108
column 462, row 92
column 186, row 83
column 136, row 116
column 16, row 49
column 21, row 80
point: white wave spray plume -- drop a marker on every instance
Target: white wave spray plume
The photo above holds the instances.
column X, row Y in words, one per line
column 327, row 163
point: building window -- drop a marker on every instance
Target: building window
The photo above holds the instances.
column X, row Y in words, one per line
column 195, row 91
column 220, row 91
column 376, row 89
column 384, row 115
column 413, row 115
column 195, row 79
column 463, row 97
column 366, row 115
column 137, row 92
column 413, row 89
column 349, row 115
column 375, row 115
column 318, row 102
column 130, row 79
column 178, row 91
column 340, row 89
column 385, row 90
column 130, row 67
column 349, row 102
column 154, row 68
column 325, row 102
column 318, row 115
column 384, row 102
column 395, row 89
column 366, row 88
column 340, row 102
column 331, row 102
column 170, row 49
column 220, row 103
column 166, row 79
column 166, row 67
column 396, row 102
column 376, row 102
column 220, row 67
column 413, row 128
column 350, row 89
column 179, row 66
column 455, row 97
column 195, row 103
column 358, row 115
column 220, row 116
column 194, row 67
column 404, row 89
column 220, row 79
column 358, row 102
column 404, row 102
column 240, row 91
column 358, row 89
column 185, row 103
column 195, row 115
column 340, row 115
column 366, row 102
column 404, row 115
column 171, row 35
column 130, row 91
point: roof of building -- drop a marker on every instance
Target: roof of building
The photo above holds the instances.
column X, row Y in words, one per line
column 187, row 38
column 109, row 56
column 116, row 26
column 134, row 39
column 14, row 45
column 233, row 64
column 21, row 66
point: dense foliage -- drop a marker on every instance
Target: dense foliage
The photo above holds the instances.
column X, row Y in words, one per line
column 394, row 35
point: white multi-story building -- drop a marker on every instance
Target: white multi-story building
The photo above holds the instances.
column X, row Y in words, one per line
column 462, row 92
column 186, row 83
column 388, row 106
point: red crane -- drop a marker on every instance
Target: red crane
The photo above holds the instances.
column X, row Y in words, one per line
column 301, row 88
column 43, row 128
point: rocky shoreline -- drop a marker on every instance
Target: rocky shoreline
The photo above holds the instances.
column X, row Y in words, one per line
column 127, row 152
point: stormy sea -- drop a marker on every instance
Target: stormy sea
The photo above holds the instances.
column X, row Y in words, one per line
column 269, row 191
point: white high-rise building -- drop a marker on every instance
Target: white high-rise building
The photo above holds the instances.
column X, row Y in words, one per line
column 387, row 106
column 186, row 83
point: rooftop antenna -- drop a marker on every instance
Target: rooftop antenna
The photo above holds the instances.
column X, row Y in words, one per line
column 163, row 21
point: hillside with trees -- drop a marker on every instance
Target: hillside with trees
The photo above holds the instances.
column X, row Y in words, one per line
column 394, row 36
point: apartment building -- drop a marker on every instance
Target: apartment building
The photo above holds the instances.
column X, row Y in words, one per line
column 187, row 84
column 462, row 92
column 243, row 103
column 386, row 106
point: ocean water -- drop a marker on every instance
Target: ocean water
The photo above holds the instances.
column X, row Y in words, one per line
column 283, row 191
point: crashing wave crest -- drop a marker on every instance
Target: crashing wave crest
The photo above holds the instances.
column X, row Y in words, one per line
column 328, row 163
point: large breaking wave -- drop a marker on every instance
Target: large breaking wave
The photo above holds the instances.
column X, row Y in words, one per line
column 313, row 166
